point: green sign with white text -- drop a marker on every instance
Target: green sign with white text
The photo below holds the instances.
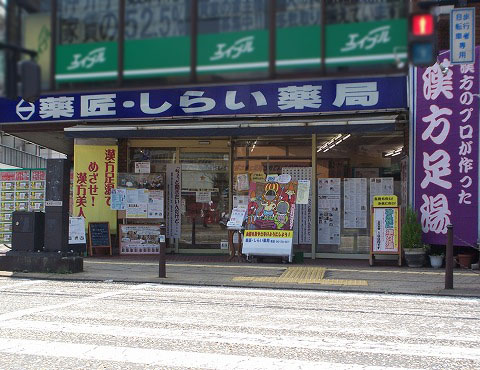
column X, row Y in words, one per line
column 298, row 47
column 233, row 51
column 366, row 43
column 86, row 62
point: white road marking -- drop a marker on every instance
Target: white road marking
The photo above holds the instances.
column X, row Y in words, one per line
column 154, row 357
column 33, row 310
column 318, row 342
column 20, row 284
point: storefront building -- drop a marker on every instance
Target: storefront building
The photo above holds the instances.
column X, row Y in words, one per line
column 251, row 99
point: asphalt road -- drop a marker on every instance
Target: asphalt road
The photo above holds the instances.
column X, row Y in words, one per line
column 70, row 325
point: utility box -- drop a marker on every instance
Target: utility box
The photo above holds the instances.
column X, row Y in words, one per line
column 28, row 231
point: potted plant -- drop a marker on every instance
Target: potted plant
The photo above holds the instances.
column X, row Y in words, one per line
column 435, row 255
column 413, row 248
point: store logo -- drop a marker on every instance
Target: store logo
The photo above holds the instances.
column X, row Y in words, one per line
column 377, row 36
column 93, row 58
column 239, row 47
column 25, row 110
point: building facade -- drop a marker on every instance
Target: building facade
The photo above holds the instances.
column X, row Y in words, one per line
column 229, row 91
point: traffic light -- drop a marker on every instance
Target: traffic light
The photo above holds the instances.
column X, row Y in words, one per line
column 30, row 78
column 422, row 39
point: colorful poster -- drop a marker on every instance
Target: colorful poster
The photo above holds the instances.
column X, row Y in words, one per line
column 446, row 126
column 174, row 196
column 118, row 199
column 385, row 231
column 271, row 206
column 140, row 239
column 95, row 175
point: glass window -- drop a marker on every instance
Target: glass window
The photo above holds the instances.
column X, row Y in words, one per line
column 365, row 33
column 157, row 38
column 232, row 39
column 87, row 45
column 298, row 35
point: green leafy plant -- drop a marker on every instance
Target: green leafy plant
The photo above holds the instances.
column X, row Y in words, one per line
column 411, row 230
column 434, row 251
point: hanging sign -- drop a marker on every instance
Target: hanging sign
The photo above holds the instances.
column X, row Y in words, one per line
column 174, row 196
column 95, row 175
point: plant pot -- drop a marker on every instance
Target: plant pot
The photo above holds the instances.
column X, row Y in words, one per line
column 436, row 261
column 465, row 260
column 415, row 257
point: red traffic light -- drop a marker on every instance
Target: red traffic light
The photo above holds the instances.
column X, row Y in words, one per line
column 422, row 24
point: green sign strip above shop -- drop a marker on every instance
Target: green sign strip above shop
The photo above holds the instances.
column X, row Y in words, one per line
column 296, row 47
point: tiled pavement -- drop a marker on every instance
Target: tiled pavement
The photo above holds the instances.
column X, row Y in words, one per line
column 321, row 274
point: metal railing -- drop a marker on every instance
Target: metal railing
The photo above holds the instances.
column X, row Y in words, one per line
column 18, row 158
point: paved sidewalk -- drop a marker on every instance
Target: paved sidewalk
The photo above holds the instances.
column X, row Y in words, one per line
column 333, row 275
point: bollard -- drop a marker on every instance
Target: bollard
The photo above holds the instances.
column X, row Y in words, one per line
column 162, row 273
column 449, row 259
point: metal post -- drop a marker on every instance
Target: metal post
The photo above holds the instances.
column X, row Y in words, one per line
column 162, row 271
column 449, row 259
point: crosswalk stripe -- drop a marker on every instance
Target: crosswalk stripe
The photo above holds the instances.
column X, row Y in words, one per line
column 158, row 357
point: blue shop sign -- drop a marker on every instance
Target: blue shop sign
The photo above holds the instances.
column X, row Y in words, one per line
column 263, row 99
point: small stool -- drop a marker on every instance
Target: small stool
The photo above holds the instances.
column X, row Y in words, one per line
column 235, row 248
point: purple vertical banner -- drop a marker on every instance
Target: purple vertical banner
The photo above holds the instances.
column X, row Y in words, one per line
column 446, row 124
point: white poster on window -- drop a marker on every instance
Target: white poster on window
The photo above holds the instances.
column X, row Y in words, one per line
column 240, row 201
column 380, row 186
column 155, row 204
column 76, row 230
column 303, row 212
column 174, row 196
column 142, row 167
column 328, row 205
column 303, row 191
column 355, row 203
column 203, row 196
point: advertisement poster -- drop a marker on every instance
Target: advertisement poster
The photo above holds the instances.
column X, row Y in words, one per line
column 236, row 219
column 242, row 182
column 76, row 231
column 140, row 239
column 303, row 212
column 203, row 196
column 385, row 230
column 446, row 150
column 136, row 210
column 380, row 186
column 329, row 211
column 270, row 219
column 142, row 167
column 155, row 204
column 303, row 193
column 174, row 196
column 95, row 175
column 355, row 203
column 118, row 200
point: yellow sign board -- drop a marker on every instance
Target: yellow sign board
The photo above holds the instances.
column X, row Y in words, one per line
column 95, row 175
column 257, row 177
column 385, row 201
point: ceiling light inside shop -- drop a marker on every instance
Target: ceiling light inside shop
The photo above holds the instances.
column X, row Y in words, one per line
column 332, row 143
column 394, row 153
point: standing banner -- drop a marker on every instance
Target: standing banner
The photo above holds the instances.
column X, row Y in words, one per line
column 271, row 209
column 95, row 175
column 446, row 138
column 174, row 196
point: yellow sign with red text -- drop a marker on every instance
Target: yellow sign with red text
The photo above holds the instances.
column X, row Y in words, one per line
column 94, row 176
